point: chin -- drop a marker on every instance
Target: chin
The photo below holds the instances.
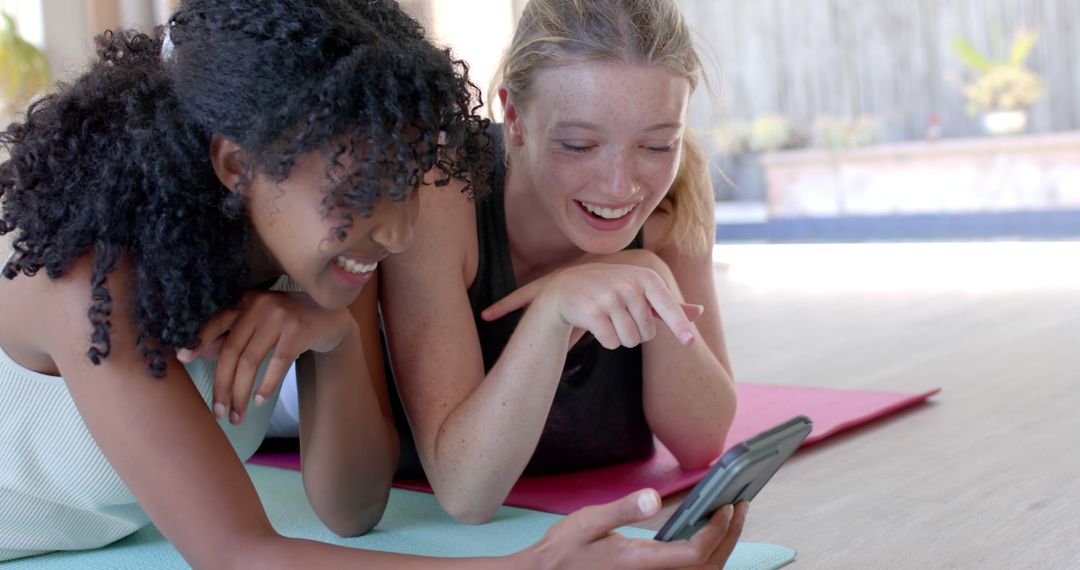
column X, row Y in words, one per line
column 604, row 245
column 334, row 302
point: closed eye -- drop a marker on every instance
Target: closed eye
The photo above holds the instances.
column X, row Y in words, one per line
column 662, row 148
column 575, row 148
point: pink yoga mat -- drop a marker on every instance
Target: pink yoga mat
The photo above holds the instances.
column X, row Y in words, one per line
column 760, row 406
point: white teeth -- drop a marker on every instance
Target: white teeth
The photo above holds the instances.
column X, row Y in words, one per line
column 354, row 267
column 607, row 213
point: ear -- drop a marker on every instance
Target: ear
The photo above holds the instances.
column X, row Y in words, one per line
column 230, row 164
column 511, row 117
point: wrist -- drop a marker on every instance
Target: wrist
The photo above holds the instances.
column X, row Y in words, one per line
column 529, row 559
column 546, row 310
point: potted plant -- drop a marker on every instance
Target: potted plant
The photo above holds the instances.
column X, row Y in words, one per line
column 772, row 133
column 1004, row 88
column 24, row 73
column 738, row 147
column 838, row 133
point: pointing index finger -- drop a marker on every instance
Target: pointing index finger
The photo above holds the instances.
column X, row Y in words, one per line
column 512, row 302
column 671, row 312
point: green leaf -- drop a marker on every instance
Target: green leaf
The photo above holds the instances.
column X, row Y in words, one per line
column 970, row 56
column 1022, row 45
column 24, row 71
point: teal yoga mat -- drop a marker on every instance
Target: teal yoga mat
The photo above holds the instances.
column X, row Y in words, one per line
column 414, row 523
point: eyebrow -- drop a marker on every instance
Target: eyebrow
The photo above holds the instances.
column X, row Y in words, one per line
column 592, row 127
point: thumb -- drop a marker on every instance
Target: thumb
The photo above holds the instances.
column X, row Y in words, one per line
column 600, row 520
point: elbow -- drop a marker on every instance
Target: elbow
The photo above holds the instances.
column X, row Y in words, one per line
column 471, row 516
column 467, row 509
column 356, row 527
column 690, row 460
column 700, row 453
column 358, row 521
column 350, row 502
column 350, row 514
column 469, row 499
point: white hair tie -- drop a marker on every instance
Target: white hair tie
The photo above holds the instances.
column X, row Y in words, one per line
column 166, row 44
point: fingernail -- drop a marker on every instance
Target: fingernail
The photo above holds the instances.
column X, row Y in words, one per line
column 686, row 337
column 234, row 417
column 183, row 355
column 259, row 400
column 729, row 511
column 648, row 502
column 220, row 411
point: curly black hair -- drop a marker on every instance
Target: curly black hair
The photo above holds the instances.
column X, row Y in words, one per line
column 118, row 162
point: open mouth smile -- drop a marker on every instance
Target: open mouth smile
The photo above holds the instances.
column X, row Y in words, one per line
column 606, row 213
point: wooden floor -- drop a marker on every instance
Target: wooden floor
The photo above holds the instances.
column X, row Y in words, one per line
column 987, row 475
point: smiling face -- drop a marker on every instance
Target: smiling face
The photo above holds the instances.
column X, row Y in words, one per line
column 599, row 145
column 290, row 219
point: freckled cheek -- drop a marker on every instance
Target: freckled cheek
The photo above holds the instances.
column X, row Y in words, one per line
column 662, row 175
column 655, row 185
column 572, row 177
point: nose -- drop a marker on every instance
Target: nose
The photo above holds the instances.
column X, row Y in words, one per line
column 393, row 227
column 622, row 180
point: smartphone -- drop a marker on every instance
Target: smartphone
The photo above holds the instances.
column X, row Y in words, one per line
column 737, row 476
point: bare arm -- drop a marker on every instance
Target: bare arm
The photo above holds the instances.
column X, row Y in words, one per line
column 689, row 393
column 166, row 446
column 474, row 434
column 689, row 397
column 348, row 443
column 347, row 439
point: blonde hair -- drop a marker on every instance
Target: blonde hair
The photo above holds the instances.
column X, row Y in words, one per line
column 555, row 33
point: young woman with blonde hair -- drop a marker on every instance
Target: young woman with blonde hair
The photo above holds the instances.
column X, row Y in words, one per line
column 523, row 328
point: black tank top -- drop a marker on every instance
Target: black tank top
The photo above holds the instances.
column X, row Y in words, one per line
column 597, row 417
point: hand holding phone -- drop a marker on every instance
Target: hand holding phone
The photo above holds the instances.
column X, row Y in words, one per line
column 737, row 476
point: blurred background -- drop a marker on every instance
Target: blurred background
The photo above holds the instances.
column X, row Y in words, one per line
column 827, row 120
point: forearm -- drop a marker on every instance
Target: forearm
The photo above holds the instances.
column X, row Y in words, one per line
column 689, row 393
column 349, row 446
column 485, row 443
column 689, row 398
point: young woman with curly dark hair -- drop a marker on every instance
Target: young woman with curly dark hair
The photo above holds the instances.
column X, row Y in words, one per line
column 162, row 206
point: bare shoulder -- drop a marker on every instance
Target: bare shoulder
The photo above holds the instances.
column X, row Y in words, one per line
column 444, row 237
column 423, row 291
column 151, row 430
column 44, row 315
